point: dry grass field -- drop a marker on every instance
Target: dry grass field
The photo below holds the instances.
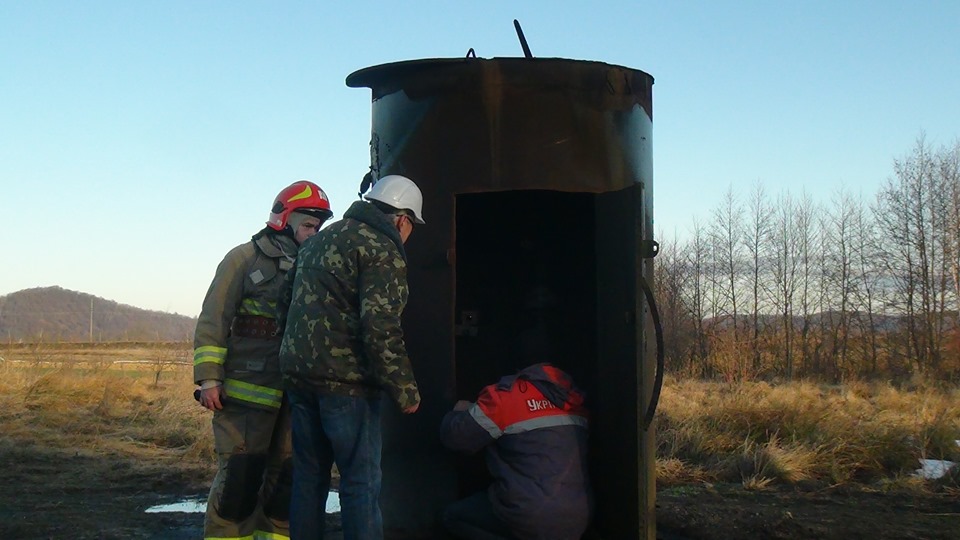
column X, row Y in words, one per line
column 802, row 460
column 90, row 438
column 807, row 434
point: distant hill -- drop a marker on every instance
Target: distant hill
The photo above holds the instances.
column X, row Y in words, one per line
column 858, row 320
column 55, row 314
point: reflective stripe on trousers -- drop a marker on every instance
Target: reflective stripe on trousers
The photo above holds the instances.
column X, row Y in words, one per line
column 253, row 393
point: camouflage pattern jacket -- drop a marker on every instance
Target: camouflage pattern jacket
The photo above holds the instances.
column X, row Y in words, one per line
column 342, row 333
column 246, row 285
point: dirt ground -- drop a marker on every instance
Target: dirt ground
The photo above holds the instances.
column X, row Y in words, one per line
column 730, row 512
column 84, row 495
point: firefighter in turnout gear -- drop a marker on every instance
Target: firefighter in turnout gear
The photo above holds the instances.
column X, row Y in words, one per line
column 236, row 365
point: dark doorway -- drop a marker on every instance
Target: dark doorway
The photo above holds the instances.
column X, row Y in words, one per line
column 525, row 292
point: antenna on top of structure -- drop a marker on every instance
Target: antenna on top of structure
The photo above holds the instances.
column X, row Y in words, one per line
column 523, row 40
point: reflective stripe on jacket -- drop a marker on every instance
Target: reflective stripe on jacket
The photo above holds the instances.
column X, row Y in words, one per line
column 247, row 282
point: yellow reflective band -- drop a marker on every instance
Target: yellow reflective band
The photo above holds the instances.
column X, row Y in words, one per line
column 249, row 306
column 253, row 393
column 257, row 535
column 305, row 194
column 209, row 353
column 264, row 535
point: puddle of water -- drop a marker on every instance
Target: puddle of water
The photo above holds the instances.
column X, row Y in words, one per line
column 200, row 505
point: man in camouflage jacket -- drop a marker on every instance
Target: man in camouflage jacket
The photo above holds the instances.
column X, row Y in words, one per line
column 342, row 349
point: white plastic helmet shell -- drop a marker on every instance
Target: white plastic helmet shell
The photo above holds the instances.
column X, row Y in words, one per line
column 399, row 192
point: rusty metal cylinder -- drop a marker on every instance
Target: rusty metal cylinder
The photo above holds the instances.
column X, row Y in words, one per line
column 537, row 177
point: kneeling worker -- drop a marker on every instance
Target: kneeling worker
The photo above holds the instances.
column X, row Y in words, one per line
column 534, row 428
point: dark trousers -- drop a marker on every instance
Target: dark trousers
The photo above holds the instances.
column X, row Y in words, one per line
column 473, row 519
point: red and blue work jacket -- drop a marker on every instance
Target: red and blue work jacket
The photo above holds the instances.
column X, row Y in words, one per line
column 534, row 427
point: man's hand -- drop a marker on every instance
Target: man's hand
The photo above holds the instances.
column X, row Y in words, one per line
column 212, row 398
column 411, row 409
column 462, row 405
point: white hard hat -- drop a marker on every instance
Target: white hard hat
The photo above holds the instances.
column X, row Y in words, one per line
column 399, row 192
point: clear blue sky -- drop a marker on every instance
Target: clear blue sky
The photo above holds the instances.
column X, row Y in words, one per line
column 141, row 140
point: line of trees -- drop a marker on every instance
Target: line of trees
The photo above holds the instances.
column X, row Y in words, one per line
column 785, row 287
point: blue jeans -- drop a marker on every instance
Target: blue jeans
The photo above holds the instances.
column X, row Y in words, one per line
column 330, row 429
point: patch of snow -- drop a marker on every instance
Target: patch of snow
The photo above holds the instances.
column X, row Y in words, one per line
column 931, row 469
column 200, row 505
column 182, row 506
column 333, row 502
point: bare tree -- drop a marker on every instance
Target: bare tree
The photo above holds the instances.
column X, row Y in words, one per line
column 913, row 210
column 790, row 240
column 868, row 281
column 807, row 237
column 166, row 357
column 839, row 276
column 948, row 168
column 697, row 255
column 940, row 289
column 823, row 363
column 44, row 354
column 756, row 242
column 727, row 236
column 670, row 280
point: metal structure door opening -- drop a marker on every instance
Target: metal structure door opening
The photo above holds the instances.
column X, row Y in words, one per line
column 525, row 292
column 525, row 285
